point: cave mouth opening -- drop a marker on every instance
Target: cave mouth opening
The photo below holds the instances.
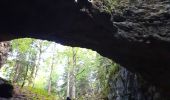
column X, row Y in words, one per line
column 50, row 70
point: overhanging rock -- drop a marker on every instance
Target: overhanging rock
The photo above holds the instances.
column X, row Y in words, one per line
column 137, row 37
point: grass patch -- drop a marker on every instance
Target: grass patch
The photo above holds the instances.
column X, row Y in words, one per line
column 40, row 94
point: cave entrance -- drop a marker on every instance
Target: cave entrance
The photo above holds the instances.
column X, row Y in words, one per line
column 41, row 69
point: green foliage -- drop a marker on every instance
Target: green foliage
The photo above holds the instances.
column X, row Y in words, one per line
column 22, row 45
column 88, row 70
column 105, row 70
column 110, row 5
column 40, row 92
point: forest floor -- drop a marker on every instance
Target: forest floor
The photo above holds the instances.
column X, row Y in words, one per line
column 27, row 93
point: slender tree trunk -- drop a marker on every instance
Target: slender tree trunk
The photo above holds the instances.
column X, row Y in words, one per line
column 68, row 84
column 17, row 70
column 71, row 80
column 32, row 75
column 49, row 87
column 68, row 78
column 38, row 62
column 25, row 76
column 51, row 71
column 50, row 79
column 73, row 74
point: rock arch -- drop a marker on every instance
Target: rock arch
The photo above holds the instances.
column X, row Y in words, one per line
column 139, row 40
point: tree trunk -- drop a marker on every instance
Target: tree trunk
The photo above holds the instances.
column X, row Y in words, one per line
column 68, row 84
column 51, row 71
column 32, row 75
column 25, row 76
column 50, row 80
column 73, row 74
column 38, row 62
column 68, row 79
column 17, row 70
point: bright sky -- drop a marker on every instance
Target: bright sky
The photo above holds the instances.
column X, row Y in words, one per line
column 44, row 73
column 48, row 53
column 59, row 67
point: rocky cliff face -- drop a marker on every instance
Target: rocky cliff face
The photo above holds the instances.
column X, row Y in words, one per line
column 145, row 28
column 4, row 50
column 136, row 36
column 6, row 90
column 129, row 86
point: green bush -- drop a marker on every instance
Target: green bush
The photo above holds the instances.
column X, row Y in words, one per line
column 40, row 92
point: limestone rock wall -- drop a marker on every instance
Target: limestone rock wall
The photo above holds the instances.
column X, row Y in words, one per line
column 129, row 86
column 137, row 37
column 4, row 50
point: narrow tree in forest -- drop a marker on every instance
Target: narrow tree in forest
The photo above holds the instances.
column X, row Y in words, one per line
column 68, row 77
column 71, row 78
column 24, row 59
column 16, row 71
column 51, row 69
column 25, row 75
column 42, row 46
column 73, row 73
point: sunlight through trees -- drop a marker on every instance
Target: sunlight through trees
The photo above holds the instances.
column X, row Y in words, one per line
column 55, row 72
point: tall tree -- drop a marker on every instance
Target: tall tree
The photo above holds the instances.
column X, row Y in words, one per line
column 51, row 69
column 24, row 58
column 68, row 78
column 73, row 73
column 41, row 46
